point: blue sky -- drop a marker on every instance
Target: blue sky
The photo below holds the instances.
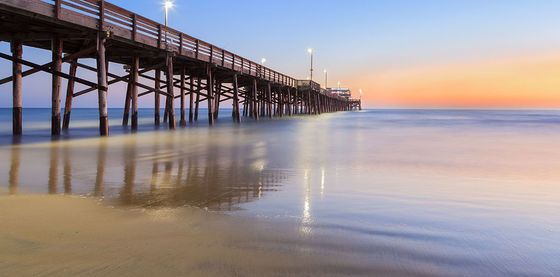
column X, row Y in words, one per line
column 351, row 37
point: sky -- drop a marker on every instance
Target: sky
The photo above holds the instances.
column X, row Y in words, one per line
column 402, row 53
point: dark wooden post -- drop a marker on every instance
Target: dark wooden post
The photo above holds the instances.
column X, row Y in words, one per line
column 56, row 84
column 269, row 100
column 157, row 98
column 217, row 98
column 254, row 100
column 134, row 92
column 127, row 99
column 236, row 116
column 280, row 103
column 183, row 122
column 102, row 87
column 170, row 94
column 69, row 95
column 191, row 99
column 17, row 52
column 210, row 97
column 102, row 73
column 197, row 103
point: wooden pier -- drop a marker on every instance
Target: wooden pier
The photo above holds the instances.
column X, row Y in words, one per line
column 179, row 67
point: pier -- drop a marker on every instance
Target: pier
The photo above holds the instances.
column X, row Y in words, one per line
column 160, row 62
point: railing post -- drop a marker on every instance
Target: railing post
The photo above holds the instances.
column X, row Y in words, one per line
column 211, row 54
column 223, row 57
column 197, row 50
column 134, row 27
column 180, row 43
column 159, row 36
column 57, row 7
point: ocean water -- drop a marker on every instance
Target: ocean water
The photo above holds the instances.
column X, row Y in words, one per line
column 419, row 192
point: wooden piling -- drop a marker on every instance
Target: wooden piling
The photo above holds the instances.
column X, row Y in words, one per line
column 210, row 90
column 269, row 100
column 191, row 99
column 170, row 93
column 197, row 103
column 56, row 85
column 157, row 97
column 217, row 97
column 236, row 116
column 127, row 100
column 17, row 52
column 102, row 85
column 134, row 92
column 254, row 100
column 69, row 95
column 183, row 121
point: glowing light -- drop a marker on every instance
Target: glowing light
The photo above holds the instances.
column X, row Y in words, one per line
column 168, row 4
column 263, row 60
column 310, row 50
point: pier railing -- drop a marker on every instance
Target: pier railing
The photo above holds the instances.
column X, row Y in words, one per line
column 138, row 29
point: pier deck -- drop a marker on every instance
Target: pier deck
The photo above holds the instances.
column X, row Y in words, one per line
column 159, row 61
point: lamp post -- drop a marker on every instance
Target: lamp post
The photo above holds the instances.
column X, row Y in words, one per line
column 326, row 78
column 361, row 92
column 263, row 60
column 310, row 51
column 167, row 5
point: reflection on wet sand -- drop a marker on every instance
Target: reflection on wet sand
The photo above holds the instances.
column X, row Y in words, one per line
column 155, row 172
column 13, row 181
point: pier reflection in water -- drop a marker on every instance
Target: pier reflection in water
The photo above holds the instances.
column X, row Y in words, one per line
column 148, row 170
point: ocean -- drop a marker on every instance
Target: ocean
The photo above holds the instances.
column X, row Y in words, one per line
column 399, row 192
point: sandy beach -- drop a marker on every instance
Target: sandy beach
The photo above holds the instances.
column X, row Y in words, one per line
column 62, row 235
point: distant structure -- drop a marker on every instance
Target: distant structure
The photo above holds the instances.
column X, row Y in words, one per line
column 342, row 92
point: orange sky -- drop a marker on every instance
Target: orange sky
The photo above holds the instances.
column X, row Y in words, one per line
column 507, row 83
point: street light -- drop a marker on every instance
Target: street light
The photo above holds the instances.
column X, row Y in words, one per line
column 338, row 84
column 326, row 78
column 361, row 92
column 263, row 60
column 167, row 5
column 310, row 51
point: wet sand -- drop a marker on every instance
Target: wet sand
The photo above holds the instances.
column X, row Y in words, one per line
column 68, row 236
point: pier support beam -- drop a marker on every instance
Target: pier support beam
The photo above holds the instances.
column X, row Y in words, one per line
column 102, row 85
column 170, row 94
column 127, row 100
column 69, row 95
column 197, row 103
column 236, row 115
column 134, row 92
column 183, row 121
column 210, row 97
column 254, row 100
column 156, row 97
column 56, row 85
column 191, row 99
column 269, row 100
column 217, row 99
column 17, row 53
